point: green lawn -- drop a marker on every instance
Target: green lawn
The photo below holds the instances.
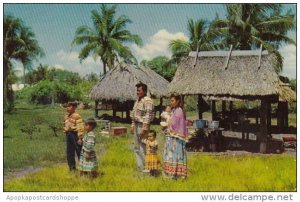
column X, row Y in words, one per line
column 207, row 172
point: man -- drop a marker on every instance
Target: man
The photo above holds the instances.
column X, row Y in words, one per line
column 142, row 114
column 73, row 127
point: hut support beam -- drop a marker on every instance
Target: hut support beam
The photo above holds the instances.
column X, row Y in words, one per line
column 280, row 121
column 114, row 113
column 231, row 115
column 282, row 116
column 213, row 110
column 96, row 109
column 263, row 126
column 269, row 118
column 223, row 108
column 200, row 103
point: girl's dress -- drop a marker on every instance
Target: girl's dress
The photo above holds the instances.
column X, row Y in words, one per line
column 175, row 156
column 88, row 147
column 151, row 159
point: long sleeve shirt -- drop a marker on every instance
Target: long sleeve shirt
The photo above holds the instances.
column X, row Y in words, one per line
column 89, row 142
column 74, row 122
column 178, row 124
column 143, row 112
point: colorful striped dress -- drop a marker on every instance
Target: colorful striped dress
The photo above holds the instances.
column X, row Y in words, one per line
column 151, row 159
column 88, row 164
column 175, row 155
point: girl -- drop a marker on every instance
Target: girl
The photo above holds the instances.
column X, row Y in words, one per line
column 88, row 163
column 151, row 159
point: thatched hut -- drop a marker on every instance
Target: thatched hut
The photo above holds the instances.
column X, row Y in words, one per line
column 118, row 86
column 235, row 75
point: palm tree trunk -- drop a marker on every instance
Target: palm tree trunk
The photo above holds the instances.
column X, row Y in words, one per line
column 8, row 93
column 104, row 65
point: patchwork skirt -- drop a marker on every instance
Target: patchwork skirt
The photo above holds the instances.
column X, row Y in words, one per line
column 175, row 157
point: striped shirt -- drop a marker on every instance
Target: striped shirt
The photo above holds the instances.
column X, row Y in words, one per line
column 143, row 112
column 74, row 122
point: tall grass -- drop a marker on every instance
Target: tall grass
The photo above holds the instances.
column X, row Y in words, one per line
column 207, row 172
column 44, row 148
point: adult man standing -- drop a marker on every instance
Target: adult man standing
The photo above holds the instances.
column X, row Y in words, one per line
column 142, row 114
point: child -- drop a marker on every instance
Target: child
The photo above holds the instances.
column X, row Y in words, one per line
column 88, row 163
column 73, row 127
column 151, row 159
column 165, row 117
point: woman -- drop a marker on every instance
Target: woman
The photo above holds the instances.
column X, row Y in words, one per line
column 175, row 158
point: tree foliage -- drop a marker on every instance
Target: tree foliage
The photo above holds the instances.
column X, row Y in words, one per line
column 161, row 65
column 19, row 44
column 247, row 26
column 106, row 38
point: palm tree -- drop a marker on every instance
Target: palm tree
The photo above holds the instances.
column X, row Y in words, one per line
column 202, row 36
column 19, row 44
column 107, row 37
column 247, row 26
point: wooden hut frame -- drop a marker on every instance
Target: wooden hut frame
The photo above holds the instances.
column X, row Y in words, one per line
column 118, row 85
column 241, row 80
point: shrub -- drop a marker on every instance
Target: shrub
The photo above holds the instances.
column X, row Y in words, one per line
column 190, row 103
column 46, row 92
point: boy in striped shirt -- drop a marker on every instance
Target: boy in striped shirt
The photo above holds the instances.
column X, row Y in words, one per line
column 73, row 127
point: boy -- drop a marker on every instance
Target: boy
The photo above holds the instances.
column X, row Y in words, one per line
column 73, row 127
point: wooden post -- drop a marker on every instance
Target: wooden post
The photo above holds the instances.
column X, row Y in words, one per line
column 269, row 118
column 286, row 115
column 231, row 115
column 199, row 107
column 213, row 110
column 229, row 54
column 259, row 59
column 223, row 108
column 96, row 108
column 280, row 121
column 256, row 116
column 114, row 110
column 263, row 126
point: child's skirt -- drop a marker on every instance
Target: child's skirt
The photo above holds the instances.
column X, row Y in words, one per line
column 88, row 164
column 152, row 162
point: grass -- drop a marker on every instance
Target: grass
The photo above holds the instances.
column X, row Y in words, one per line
column 207, row 172
column 45, row 148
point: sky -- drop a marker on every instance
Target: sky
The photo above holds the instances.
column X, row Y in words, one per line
column 157, row 24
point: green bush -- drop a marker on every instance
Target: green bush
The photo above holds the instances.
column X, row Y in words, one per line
column 293, row 107
column 190, row 103
column 45, row 91
column 24, row 94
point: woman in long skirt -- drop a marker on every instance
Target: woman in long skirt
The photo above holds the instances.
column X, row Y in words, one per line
column 175, row 156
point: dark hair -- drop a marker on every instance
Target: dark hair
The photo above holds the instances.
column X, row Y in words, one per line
column 91, row 122
column 73, row 104
column 179, row 97
column 153, row 132
column 144, row 86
